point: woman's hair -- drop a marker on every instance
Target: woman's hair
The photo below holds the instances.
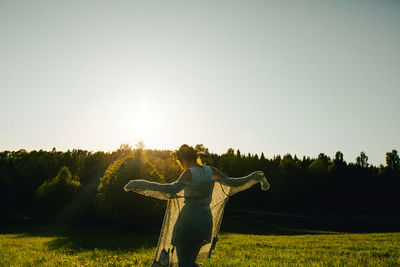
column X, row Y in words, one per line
column 187, row 153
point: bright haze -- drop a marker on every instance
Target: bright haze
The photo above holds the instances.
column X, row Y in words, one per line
column 299, row 77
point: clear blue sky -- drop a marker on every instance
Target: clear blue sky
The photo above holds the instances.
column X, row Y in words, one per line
column 299, row 77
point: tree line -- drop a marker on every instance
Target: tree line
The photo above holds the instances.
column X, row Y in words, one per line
column 81, row 186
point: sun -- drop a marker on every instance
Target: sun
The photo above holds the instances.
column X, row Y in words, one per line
column 147, row 121
column 143, row 126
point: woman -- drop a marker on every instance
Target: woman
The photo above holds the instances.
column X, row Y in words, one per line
column 195, row 208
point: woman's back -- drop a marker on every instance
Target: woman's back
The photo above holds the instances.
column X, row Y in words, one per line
column 195, row 219
column 199, row 189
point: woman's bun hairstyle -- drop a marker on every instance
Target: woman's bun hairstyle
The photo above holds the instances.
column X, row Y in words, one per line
column 187, row 153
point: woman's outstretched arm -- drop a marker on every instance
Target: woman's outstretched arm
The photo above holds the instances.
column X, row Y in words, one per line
column 157, row 190
column 240, row 183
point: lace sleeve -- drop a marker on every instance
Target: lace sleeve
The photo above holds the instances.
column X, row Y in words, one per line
column 156, row 190
column 239, row 184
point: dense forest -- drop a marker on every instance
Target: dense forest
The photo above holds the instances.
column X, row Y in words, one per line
column 86, row 187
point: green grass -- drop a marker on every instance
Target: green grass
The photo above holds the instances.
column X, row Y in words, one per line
column 101, row 247
column 76, row 247
column 381, row 249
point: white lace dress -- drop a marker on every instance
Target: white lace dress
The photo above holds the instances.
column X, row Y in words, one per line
column 194, row 210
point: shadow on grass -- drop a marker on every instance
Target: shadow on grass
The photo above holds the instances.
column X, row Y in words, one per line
column 111, row 242
column 77, row 239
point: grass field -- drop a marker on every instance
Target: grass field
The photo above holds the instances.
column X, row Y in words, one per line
column 102, row 247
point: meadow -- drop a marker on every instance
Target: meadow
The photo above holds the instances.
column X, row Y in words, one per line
column 256, row 243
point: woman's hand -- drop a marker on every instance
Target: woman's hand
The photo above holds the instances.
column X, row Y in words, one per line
column 130, row 186
column 264, row 184
column 258, row 175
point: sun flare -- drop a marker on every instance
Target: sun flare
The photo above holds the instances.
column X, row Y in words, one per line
column 144, row 125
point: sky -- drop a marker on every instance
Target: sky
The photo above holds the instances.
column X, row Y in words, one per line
column 298, row 77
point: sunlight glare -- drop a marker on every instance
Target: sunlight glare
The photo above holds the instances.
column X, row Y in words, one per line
column 143, row 126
